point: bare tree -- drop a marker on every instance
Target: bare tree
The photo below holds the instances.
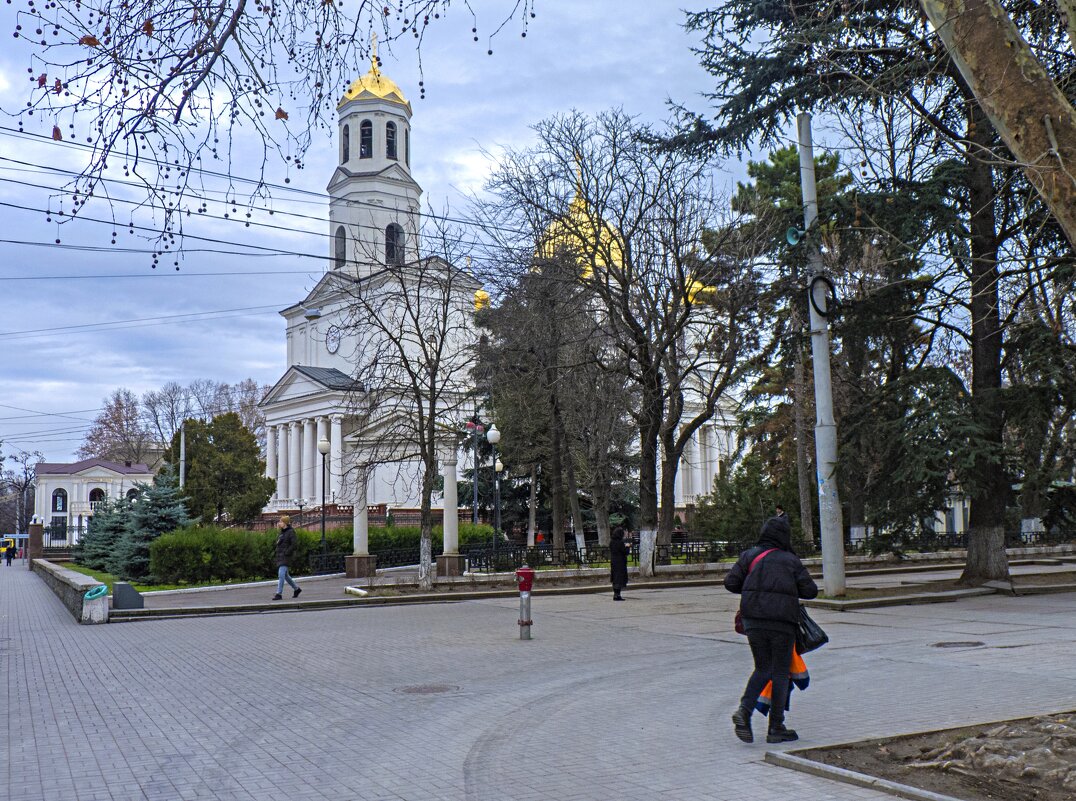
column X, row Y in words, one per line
column 120, row 432
column 674, row 294
column 166, row 409
column 161, row 87
column 17, row 486
column 415, row 324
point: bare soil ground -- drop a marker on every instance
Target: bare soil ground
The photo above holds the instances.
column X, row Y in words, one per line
column 1033, row 759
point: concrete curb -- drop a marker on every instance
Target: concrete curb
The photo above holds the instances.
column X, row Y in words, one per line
column 899, row 600
column 216, row 587
column 825, row 771
column 375, row 600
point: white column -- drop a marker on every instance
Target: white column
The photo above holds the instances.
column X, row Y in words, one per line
column 295, row 451
column 322, row 467
column 310, row 459
column 336, row 450
column 283, row 486
column 451, row 506
column 704, row 461
column 270, row 456
column 361, row 536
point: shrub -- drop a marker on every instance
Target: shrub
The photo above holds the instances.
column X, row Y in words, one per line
column 199, row 554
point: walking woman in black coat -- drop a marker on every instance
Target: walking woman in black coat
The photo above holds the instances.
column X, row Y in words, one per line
column 770, row 581
column 618, row 562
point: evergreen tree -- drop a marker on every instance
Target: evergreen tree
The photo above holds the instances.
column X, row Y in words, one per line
column 225, row 472
column 157, row 510
column 106, row 528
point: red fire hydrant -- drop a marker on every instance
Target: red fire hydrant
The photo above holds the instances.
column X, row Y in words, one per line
column 525, row 579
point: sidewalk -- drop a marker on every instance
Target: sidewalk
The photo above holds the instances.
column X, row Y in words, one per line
column 443, row 701
column 321, row 588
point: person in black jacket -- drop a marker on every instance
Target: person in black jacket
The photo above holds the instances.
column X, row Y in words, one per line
column 285, row 550
column 618, row 562
column 770, row 594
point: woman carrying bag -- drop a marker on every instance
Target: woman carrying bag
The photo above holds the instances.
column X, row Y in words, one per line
column 770, row 580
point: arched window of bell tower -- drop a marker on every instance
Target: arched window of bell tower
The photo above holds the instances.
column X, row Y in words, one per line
column 390, row 141
column 339, row 248
column 345, row 145
column 394, row 244
column 407, row 147
column 366, row 140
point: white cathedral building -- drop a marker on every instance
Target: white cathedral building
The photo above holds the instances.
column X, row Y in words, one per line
column 374, row 212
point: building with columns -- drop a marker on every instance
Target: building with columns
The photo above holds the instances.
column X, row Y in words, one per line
column 373, row 222
column 67, row 495
column 374, row 204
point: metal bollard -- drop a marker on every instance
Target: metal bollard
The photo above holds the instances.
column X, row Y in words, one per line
column 525, row 578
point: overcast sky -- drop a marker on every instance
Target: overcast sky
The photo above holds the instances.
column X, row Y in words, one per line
column 588, row 56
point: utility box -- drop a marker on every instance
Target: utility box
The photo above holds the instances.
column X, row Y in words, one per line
column 124, row 596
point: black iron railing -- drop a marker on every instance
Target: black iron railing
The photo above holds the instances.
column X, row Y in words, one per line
column 323, row 563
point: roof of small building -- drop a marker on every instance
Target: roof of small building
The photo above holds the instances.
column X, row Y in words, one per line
column 61, row 468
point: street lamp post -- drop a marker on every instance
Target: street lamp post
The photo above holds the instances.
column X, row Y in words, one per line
column 323, row 449
column 475, row 428
column 300, row 502
column 494, row 436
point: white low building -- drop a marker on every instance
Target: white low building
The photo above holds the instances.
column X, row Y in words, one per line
column 67, row 495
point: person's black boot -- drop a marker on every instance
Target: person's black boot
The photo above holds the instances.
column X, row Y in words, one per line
column 278, row 597
column 295, row 594
column 616, row 595
column 779, row 734
column 741, row 720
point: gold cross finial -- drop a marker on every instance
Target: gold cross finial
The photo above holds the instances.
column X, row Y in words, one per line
column 373, row 51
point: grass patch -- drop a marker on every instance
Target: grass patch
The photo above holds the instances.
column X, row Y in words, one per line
column 109, row 579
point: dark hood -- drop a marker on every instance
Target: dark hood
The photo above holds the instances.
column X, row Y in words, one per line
column 776, row 533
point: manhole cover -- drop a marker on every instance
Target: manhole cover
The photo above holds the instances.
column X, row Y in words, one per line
column 427, row 689
column 959, row 644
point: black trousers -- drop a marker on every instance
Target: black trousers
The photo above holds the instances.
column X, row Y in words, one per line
column 772, row 651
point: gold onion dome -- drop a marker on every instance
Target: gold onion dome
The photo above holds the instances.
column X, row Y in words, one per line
column 377, row 85
column 481, row 299
column 581, row 231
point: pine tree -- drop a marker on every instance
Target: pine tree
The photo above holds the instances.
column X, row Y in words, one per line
column 106, row 528
column 157, row 510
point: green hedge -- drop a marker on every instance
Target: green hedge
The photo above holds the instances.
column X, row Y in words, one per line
column 200, row 554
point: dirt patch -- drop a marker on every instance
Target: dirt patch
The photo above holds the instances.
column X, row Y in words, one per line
column 1033, row 759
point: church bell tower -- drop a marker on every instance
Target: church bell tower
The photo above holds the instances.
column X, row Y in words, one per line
column 373, row 200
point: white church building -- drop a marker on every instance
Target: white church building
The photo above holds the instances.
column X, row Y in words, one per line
column 374, row 212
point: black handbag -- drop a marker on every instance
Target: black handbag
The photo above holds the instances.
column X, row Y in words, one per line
column 809, row 635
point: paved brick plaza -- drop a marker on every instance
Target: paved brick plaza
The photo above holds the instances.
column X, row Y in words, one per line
column 609, row 701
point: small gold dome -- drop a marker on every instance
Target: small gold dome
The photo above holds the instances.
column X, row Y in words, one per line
column 481, row 299
column 375, row 84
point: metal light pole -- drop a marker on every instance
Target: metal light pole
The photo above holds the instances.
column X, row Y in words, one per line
column 494, row 436
column 475, row 428
column 323, row 449
column 825, row 438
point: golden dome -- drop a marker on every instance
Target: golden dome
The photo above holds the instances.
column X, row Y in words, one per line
column 375, row 84
column 581, row 231
column 481, row 299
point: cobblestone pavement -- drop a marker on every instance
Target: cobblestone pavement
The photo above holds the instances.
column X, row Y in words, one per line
column 442, row 701
column 322, row 588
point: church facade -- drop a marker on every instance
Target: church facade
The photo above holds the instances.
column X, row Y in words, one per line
column 321, row 440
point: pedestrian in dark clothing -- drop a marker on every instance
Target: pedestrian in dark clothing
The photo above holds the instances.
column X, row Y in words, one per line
column 770, row 580
column 285, row 550
column 9, row 554
column 618, row 562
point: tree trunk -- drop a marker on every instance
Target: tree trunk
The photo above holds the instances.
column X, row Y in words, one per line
column 600, row 492
column 425, row 548
column 1016, row 94
column 650, row 423
column 667, row 507
column 986, row 533
column 556, row 472
column 532, row 507
column 803, row 466
column 573, row 503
